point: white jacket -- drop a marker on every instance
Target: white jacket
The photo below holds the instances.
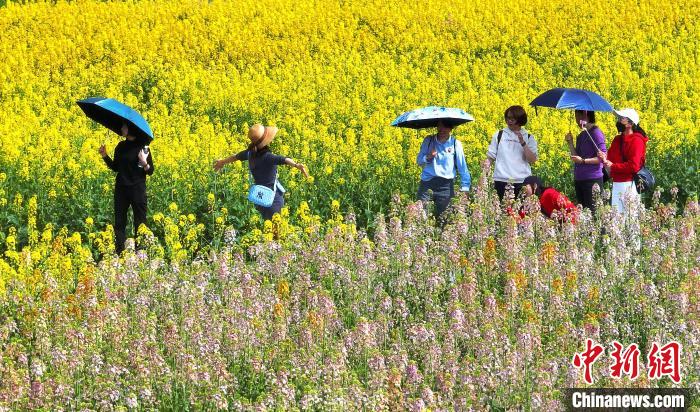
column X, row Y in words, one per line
column 511, row 165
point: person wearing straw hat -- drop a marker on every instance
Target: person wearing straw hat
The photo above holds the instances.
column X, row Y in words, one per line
column 625, row 157
column 588, row 170
column 263, row 165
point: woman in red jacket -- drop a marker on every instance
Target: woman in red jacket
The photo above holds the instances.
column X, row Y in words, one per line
column 550, row 199
column 626, row 156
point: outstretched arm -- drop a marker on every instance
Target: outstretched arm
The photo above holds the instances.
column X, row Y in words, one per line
column 219, row 164
column 301, row 167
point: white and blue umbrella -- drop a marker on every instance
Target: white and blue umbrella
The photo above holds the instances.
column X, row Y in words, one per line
column 430, row 116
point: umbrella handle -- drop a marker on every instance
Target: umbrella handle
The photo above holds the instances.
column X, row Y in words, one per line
column 591, row 137
column 587, row 132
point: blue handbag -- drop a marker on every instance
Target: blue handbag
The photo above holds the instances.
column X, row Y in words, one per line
column 262, row 195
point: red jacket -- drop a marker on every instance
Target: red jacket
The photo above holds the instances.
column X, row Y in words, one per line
column 635, row 148
column 552, row 200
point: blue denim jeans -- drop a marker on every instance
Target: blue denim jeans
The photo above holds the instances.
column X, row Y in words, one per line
column 443, row 191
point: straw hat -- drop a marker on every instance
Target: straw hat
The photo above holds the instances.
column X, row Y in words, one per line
column 261, row 135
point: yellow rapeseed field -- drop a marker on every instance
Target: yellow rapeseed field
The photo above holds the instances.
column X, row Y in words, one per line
column 331, row 75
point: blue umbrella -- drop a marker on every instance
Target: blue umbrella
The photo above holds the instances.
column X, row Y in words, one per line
column 113, row 114
column 430, row 116
column 575, row 99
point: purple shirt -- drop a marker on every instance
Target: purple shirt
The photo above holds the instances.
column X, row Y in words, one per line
column 586, row 149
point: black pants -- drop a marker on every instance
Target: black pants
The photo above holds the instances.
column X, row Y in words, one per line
column 276, row 207
column 584, row 192
column 501, row 188
column 125, row 196
column 443, row 191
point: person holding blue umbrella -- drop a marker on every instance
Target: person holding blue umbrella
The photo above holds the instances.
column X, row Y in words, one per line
column 132, row 162
column 441, row 155
column 588, row 170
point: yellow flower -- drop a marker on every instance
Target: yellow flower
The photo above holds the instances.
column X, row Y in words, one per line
column 283, row 289
column 341, row 123
column 18, row 200
column 10, row 242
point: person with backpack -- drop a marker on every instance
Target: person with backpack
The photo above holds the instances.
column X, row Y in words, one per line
column 262, row 165
column 513, row 150
column 588, row 170
column 625, row 157
column 440, row 156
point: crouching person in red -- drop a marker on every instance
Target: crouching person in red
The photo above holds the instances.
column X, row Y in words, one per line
column 550, row 199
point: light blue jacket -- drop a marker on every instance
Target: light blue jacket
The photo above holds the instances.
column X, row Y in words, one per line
column 443, row 165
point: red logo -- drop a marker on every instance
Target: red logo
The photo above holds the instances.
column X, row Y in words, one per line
column 587, row 358
column 625, row 362
column 665, row 361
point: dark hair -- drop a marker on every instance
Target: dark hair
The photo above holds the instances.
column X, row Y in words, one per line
column 447, row 123
column 518, row 114
column 636, row 128
column 590, row 115
column 254, row 152
column 532, row 181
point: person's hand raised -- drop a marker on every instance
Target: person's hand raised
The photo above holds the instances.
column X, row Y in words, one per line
column 143, row 158
column 303, row 170
column 218, row 164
